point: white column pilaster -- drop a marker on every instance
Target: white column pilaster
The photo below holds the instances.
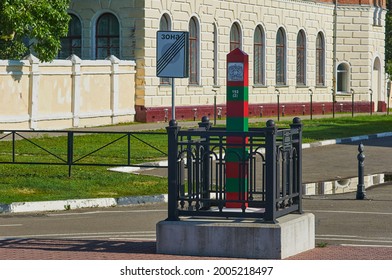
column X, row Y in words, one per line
column 34, row 89
column 114, row 87
column 76, row 85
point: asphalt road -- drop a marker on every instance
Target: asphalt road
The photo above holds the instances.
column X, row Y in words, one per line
column 340, row 219
column 125, row 223
column 343, row 220
column 340, row 161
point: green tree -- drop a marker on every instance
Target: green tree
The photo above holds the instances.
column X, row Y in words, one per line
column 388, row 38
column 32, row 26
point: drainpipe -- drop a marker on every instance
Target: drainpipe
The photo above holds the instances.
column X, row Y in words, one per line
column 335, row 25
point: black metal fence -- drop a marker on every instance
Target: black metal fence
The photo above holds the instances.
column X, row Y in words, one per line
column 70, row 151
column 270, row 173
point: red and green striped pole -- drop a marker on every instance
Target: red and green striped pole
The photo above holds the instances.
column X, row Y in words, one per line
column 237, row 120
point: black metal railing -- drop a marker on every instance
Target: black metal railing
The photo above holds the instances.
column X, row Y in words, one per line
column 269, row 175
column 68, row 152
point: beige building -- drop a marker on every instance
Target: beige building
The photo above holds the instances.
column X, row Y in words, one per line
column 330, row 49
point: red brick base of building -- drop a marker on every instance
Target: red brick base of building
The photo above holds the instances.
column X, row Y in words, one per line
column 163, row 114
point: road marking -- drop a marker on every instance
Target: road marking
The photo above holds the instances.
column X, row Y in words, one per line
column 12, row 225
column 118, row 237
column 365, row 245
column 337, row 235
column 106, row 212
column 350, row 212
column 153, row 238
column 86, row 235
column 357, row 240
column 354, row 238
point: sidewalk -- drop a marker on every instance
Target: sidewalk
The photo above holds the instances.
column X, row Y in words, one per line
column 321, row 162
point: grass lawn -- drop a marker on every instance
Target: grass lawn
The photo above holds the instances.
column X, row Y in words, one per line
column 40, row 183
column 51, row 182
column 323, row 129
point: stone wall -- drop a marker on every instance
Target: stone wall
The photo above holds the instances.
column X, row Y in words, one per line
column 66, row 93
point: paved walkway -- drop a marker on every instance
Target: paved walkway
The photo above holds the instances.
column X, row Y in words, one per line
column 326, row 162
column 48, row 249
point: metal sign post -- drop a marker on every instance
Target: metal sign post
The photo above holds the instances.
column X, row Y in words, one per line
column 173, row 114
column 172, row 58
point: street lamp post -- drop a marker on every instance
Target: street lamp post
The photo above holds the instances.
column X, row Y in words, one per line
column 278, row 100
column 388, row 95
column 352, row 102
column 311, row 103
column 371, row 101
column 333, row 103
column 214, row 90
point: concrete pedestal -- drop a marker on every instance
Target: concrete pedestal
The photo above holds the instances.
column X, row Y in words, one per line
column 292, row 234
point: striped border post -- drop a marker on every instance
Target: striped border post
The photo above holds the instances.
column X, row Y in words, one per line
column 237, row 120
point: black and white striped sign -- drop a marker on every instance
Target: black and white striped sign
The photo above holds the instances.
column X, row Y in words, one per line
column 172, row 54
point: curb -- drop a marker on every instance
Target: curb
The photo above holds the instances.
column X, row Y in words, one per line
column 146, row 166
column 63, row 205
column 346, row 140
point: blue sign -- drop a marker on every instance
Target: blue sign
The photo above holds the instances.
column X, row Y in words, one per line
column 172, row 54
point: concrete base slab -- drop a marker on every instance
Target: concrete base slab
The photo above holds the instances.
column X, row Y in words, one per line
column 291, row 235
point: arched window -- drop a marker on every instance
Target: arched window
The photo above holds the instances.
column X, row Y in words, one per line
column 301, row 58
column 377, row 12
column 320, row 60
column 258, row 51
column 380, row 9
column 343, row 78
column 280, row 57
column 165, row 25
column 72, row 44
column 107, row 36
column 235, row 36
column 193, row 51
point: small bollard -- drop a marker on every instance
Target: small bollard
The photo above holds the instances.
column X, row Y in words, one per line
column 219, row 112
column 261, row 111
column 361, row 193
column 194, row 114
